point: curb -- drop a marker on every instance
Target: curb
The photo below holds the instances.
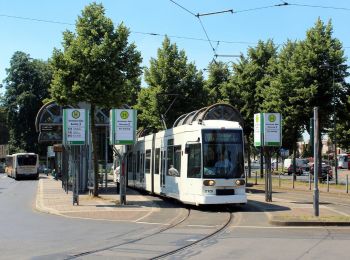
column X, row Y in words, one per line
column 39, row 202
column 307, row 223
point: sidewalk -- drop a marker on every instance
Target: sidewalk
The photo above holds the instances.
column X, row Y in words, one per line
column 52, row 199
column 289, row 212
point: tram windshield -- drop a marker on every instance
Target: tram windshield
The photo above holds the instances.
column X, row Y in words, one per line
column 223, row 154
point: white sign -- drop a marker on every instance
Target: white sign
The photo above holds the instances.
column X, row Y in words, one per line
column 267, row 129
column 257, row 129
column 272, row 129
column 50, row 152
column 123, row 126
column 75, row 126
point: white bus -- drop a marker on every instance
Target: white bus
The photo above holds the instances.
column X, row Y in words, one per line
column 22, row 165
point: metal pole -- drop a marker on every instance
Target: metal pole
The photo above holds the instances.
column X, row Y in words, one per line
column 279, row 179
column 122, row 183
column 266, row 179
column 261, row 162
column 347, row 183
column 327, row 182
column 316, row 160
column 310, row 176
column 335, row 131
column 106, row 156
column 256, row 177
column 293, row 176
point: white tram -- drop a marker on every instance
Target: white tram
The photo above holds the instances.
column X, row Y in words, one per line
column 198, row 161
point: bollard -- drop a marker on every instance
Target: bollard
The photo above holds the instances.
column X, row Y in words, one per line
column 309, row 180
column 327, row 182
column 347, row 183
column 293, row 176
column 256, row 177
column 279, row 180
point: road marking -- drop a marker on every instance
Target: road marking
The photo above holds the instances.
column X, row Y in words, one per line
column 152, row 223
column 291, row 227
column 201, row 226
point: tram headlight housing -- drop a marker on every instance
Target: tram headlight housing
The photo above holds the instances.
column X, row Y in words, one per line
column 209, row 183
column 240, row 182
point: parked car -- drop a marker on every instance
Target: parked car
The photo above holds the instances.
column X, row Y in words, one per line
column 299, row 170
column 326, row 169
column 301, row 163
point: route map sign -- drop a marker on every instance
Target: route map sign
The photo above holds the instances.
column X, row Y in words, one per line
column 75, row 126
column 267, row 129
column 123, row 125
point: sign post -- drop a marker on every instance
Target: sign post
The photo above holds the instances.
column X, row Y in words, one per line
column 75, row 133
column 123, row 125
column 267, row 134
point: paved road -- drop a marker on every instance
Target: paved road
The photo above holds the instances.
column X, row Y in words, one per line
column 27, row 234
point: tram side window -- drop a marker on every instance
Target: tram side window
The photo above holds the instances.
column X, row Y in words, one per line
column 157, row 161
column 194, row 161
column 170, row 153
column 177, row 160
column 138, row 162
column 129, row 163
column 148, row 161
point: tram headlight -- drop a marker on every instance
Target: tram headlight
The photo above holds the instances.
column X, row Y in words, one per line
column 209, row 183
column 240, row 182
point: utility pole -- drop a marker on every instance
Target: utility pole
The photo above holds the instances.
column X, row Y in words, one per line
column 316, row 160
column 335, row 130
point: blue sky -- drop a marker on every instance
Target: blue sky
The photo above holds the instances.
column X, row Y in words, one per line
column 235, row 32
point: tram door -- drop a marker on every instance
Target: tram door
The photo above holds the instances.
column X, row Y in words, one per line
column 162, row 168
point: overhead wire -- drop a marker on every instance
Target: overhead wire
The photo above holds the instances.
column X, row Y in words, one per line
column 284, row 3
column 138, row 32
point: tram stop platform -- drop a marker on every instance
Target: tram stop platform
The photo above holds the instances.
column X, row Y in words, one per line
column 52, row 199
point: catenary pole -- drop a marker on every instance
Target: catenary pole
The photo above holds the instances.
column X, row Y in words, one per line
column 316, row 160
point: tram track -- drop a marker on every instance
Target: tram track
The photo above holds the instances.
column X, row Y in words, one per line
column 208, row 236
column 176, row 226
column 170, row 226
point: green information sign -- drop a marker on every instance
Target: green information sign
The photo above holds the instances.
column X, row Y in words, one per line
column 75, row 126
column 267, row 129
column 123, row 125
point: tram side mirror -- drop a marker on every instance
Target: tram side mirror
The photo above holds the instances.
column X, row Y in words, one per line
column 187, row 149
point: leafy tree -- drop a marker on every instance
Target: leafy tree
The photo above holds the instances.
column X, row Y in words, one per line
column 3, row 122
column 168, row 75
column 343, row 127
column 97, row 65
column 215, row 85
column 26, row 84
column 286, row 95
column 322, row 62
column 251, row 77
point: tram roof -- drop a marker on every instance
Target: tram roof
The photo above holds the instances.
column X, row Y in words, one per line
column 220, row 111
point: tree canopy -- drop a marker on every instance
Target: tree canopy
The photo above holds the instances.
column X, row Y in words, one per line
column 169, row 76
column 27, row 85
column 97, row 65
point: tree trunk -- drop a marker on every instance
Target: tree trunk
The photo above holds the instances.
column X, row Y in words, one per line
column 94, row 149
column 319, row 155
column 248, row 155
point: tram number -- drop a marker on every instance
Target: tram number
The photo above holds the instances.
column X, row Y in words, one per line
column 208, row 191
